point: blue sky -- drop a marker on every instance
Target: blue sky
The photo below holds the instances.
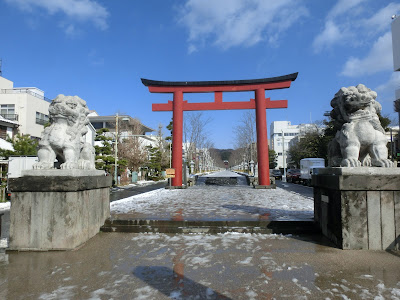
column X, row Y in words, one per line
column 99, row 50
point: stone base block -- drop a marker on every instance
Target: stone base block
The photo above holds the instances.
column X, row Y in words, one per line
column 57, row 213
column 265, row 187
column 182, row 187
column 358, row 209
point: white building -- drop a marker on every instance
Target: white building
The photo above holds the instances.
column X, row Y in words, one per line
column 127, row 127
column 396, row 47
column 27, row 106
column 283, row 135
column 8, row 129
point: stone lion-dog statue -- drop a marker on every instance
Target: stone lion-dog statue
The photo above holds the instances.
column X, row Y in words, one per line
column 64, row 139
column 360, row 139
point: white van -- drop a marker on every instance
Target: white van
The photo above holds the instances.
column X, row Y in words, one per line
column 306, row 168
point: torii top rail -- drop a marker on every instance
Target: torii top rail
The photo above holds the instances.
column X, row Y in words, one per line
column 260, row 104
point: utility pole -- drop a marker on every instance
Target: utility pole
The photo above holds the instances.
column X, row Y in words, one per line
column 283, row 156
column 116, row 151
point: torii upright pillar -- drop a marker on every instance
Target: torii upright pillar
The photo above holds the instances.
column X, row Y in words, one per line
column 262, row 138
column 260, row 104
column 177, row 137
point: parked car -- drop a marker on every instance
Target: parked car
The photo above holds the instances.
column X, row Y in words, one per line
column 293, row 175
column 276, row 173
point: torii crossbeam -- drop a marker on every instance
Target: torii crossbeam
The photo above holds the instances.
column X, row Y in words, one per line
column 260, row 104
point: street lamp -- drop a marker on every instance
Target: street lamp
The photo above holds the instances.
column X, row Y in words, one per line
column 283, row 157
column 252, row 167
column 192, row 164
column 116, row 148
column 116, row 151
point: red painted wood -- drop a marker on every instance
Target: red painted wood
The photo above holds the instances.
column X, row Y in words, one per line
column 218, row 97
column 219, row 105
column 177, row 133
column 260, row 104
column 220, row 88
column 262, row 138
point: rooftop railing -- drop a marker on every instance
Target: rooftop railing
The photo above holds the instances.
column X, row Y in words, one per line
column 24, row 91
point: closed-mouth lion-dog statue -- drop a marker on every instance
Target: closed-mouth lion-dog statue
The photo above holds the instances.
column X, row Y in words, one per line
column 360, row 140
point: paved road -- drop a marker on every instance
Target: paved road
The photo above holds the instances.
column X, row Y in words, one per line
column 296, row 188
column 124, row 192
column 199, row 266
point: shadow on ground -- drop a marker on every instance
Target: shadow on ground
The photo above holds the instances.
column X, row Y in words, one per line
column 173, row 284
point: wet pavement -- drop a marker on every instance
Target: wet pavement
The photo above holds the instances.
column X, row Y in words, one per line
column 132, row 190
column 223, row 178
column 296, row 188
column 206, row 266
column 222, row 266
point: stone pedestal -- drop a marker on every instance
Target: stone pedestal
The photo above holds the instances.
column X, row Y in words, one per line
column 358, row 208
column 57, row 209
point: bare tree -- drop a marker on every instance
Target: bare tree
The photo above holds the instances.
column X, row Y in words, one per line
column 246, row 136
column 195, row 134
column 131, row 148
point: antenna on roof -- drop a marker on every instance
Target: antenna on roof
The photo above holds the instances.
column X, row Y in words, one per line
column 0, row 67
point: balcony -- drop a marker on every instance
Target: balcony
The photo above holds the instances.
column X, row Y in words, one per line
column 12, row 117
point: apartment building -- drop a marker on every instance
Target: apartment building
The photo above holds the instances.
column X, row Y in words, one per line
column 281, row 133
column 127, row 127
column 23, row 109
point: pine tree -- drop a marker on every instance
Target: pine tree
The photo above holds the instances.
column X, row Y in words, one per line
column 22, row 144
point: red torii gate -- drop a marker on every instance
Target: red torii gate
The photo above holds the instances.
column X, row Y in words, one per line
column 260, row 104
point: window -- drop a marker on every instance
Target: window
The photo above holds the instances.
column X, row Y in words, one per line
column 97, row 125
column 8, row 111
column 279, row 153
column 41, row 118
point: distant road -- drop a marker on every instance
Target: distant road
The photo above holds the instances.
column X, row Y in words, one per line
column 121, row 193
column 296, row 188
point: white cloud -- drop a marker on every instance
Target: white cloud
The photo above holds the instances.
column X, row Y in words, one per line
column 75, row 10
column 94, row 58
column 231, row 23
column 391, row 85
column 379, row 58
column 337, row 26
column 70, row 30
column 349, row 23
column 329, row 36
column 381, row 21
column 342, row 7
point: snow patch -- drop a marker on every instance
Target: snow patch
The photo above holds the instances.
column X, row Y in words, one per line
column 5, row 206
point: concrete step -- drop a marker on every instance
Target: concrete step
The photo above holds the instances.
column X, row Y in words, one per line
column 212, row 227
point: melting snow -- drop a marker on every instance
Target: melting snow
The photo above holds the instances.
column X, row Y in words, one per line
column 218, row 203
